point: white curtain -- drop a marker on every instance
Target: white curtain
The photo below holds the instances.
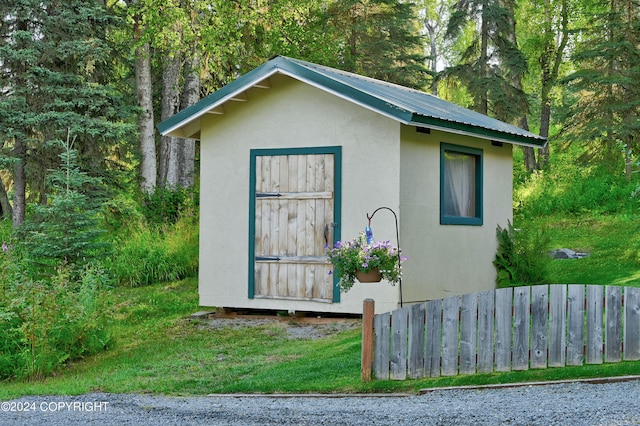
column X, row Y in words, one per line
column 459, row 187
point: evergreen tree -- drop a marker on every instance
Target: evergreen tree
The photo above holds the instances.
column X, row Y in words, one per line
column 66, row 230
column 605, row 114
column 491, row 62
column 54, row 74
column 379, row 39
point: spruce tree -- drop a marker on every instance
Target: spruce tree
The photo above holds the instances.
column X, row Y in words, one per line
column 66, row 230
column 491, row 61
column 605, row 115
column 379, row 39
column 56, row 64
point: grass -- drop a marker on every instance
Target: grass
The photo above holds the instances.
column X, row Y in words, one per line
column 611, row 240
column 158, row 349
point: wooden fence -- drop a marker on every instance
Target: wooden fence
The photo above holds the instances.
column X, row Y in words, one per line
column 502, row 330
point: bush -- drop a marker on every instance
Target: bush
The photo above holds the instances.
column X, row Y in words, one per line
column 148, row 254
column 571, row 188
column 165, row 205
column 522, row 257
column 47, row 322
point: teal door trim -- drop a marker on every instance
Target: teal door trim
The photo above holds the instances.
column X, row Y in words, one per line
column 337, row 201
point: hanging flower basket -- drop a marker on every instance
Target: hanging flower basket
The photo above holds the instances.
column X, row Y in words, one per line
column 351, row 258
column 373, row 276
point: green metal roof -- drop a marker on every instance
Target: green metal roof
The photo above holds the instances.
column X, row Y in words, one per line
column 405, row 105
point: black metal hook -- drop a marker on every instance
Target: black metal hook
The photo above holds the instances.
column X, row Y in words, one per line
column 397, row 242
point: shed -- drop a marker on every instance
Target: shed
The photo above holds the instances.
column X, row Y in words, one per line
column 294, row 155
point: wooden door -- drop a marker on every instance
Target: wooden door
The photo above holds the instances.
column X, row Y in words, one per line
column 294, row 226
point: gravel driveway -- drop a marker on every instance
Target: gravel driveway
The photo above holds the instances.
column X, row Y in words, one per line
column 561, row 404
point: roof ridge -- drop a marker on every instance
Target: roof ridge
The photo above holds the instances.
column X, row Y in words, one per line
column 364, row 78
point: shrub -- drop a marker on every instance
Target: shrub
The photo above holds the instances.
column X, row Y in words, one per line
column 49, row 321
column 148, row 254
column 165, row 205
column 571, row 188
column 522, row 256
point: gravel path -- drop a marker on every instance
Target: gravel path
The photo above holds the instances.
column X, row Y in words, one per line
column 564, row 404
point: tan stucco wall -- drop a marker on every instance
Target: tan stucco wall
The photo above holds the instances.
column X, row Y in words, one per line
column 447, row 260
column 291, row 114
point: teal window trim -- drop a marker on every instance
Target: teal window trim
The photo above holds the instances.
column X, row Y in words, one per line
column 460, row 220
column 337, row 201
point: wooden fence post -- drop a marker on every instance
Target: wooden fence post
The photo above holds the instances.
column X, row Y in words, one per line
column 368, row 311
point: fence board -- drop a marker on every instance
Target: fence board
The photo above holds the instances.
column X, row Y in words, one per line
column 416, row 340
column 485, row 331
column 594, row 324
column 450, row 323
column 433, row 345
column 575, row 324
column 468, row 332
column 631, row 323
column 539, row 324
column 557, row 325
column 504, row 324
column 399, row 331
column 521, row 318
column 509, row 329
column 613, row 329
column 382, row 345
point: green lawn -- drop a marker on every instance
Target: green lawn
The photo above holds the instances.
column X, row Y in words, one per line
column 612, row 241
column 158, row 349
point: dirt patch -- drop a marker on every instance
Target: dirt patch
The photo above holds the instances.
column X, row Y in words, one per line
column 293, row 328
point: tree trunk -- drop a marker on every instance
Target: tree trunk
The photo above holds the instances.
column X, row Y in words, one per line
column 145, row 121
column 550, row 72
column 169, row 149
column 482, row 99
column 190, row 96
column 19, row 184
column 5, row 205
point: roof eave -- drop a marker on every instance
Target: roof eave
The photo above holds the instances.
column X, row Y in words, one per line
column 534, row 141
column 174, row 125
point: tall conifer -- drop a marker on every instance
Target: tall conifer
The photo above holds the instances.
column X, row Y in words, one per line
column 55, row 65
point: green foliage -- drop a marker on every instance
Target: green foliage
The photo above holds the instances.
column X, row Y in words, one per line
column 50, row 321
column 165, row 204
column 568, row 187
column 55, row 75
column 66, row 230
column 156, row 348
column 378, row 38
column 491, row 65
column 604, row 108
column 147, row 254
column 522, row 256
column 349, row 257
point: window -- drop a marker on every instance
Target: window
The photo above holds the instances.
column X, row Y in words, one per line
column 460, row 185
